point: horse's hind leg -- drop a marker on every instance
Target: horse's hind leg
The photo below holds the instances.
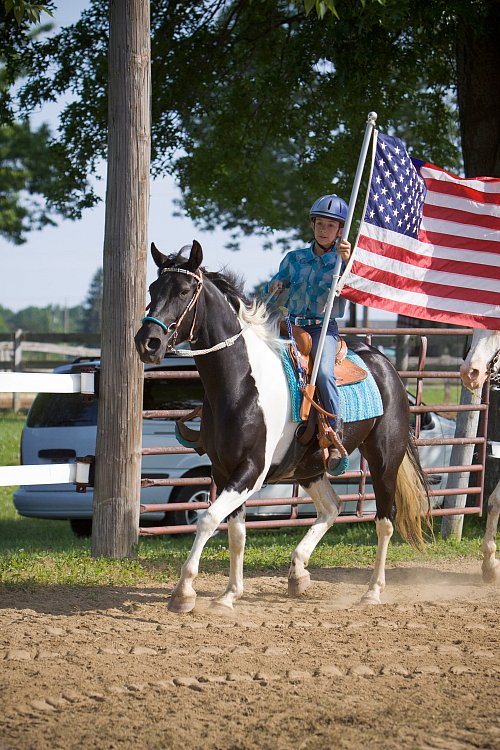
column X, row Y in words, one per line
column 377, row 582
column 328, row 505
column 237, row 536
column 491, row 566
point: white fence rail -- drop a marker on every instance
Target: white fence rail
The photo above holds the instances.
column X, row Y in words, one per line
column 77, row 473
column 36, row 382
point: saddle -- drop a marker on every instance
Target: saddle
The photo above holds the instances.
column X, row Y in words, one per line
column 346, row 372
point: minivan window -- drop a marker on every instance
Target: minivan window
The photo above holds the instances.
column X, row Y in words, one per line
column 172, row 394
column 62, row 410
column 71, row 410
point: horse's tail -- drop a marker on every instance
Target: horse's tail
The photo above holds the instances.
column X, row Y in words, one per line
column 412, row 498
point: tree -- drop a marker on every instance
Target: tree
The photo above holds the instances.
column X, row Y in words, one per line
column 92, row 309
column 257, row 105
column 37, row 178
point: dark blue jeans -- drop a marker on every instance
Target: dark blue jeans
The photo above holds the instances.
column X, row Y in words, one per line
column 326, row 382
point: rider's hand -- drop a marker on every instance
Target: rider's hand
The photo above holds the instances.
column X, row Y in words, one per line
column 344, row 250
column 276, row 287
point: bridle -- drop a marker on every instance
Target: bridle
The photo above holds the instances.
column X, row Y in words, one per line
column 174, row 327
column 493, row 369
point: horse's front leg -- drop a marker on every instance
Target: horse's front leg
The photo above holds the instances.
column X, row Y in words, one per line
column 237, row 536
column 328, row 506
column 183, row 598
column 491, row 566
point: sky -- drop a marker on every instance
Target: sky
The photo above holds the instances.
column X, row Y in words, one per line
column 56, row 264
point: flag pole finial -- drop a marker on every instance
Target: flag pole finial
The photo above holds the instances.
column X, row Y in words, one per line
column 372, row 116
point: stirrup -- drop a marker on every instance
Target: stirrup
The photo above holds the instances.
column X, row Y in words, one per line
column 336, row 464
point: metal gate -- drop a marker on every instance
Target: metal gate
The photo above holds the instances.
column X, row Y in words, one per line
column 420, row 374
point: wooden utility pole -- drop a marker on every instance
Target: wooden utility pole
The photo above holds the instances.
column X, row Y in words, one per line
column 119, row 429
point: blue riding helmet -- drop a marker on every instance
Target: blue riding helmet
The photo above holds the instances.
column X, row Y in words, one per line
column 330, row 207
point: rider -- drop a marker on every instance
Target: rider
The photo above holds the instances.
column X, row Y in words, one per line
column 307, row 274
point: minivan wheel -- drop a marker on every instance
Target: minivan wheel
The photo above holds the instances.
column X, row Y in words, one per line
column 81, row 527
column 187, row 517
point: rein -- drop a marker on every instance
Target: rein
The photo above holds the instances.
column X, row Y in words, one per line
column 175, row 325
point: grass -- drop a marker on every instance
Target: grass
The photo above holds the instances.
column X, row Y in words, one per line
column 37, row 552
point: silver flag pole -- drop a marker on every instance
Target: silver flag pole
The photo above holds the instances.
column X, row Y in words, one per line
column 370, row 126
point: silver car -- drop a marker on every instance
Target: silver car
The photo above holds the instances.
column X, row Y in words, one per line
column 60, row 427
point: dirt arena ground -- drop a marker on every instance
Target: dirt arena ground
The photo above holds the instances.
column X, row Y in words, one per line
column 111, row 668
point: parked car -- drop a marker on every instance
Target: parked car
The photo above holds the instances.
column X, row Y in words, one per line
column 60, row 427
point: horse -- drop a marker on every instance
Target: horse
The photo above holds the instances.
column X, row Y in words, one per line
column 247, row 429
column 481, row 362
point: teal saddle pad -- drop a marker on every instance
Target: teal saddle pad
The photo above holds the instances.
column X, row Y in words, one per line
column 357, row 401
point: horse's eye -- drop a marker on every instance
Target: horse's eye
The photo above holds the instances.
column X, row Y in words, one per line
column 184, row 293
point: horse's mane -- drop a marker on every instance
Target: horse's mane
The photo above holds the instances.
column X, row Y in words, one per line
column 231, row 285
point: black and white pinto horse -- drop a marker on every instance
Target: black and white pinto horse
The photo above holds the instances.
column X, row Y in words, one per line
column 247, row 427
column 481, row 362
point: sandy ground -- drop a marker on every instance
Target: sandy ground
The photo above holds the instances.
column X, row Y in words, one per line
column 112, row 668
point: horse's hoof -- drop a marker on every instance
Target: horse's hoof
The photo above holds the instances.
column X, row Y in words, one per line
column 491, row 573
column 369, row 600
column 297, row 586
column 181, row 604
column 218, row 607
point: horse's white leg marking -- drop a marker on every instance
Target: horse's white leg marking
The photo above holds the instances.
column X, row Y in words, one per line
column 491, row 566
column 377, row 582
column 183, row 597
column 237, row 537
column 328, row 505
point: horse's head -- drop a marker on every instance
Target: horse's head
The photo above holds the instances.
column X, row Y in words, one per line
column 171, row 314
column 476, row 367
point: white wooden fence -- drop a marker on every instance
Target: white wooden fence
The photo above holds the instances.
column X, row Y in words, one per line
column 14, row 349
column 24, row 382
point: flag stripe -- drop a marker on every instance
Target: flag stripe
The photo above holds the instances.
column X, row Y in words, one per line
column 451, row 201
column 429, row 233
column 369, row 298
column 386, row 237
column 483, row 193
column 418, row 266
column 451, row 306
column 461, row 217
column 480, row 297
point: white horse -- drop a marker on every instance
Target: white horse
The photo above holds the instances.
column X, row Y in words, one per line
column 480, row 363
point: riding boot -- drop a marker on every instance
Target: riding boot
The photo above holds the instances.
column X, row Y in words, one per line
column 334, row 454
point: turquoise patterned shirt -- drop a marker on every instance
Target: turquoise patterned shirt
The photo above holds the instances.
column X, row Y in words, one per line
column 309, row 278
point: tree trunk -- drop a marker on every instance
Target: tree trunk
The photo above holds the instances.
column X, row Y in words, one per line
column 478, row 88
column 119, row 430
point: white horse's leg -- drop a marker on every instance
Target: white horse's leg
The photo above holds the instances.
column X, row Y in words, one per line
column 237, row 536
column 491, row 566
column 328, row 506
column 183, row 598
column 377, row 582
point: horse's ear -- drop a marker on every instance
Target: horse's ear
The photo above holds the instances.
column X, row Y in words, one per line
column 158, row 257
column 196, row 256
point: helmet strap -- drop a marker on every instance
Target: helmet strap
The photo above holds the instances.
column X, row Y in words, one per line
column 326, row 248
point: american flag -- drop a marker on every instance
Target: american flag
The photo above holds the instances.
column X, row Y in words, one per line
column 429, row 245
